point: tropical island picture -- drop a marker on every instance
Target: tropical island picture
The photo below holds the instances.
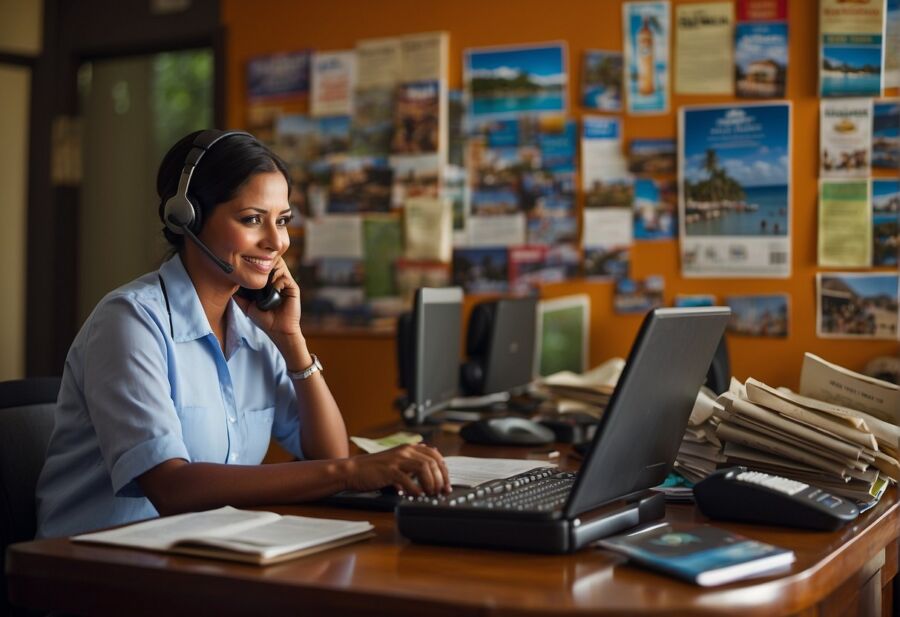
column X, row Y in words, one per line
column 735, row 171
column 851, row 71
column 509, row 81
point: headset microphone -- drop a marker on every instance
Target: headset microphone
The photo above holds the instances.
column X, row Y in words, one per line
column 227, row 268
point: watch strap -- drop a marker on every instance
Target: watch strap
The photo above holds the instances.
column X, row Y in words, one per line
column 315, row 367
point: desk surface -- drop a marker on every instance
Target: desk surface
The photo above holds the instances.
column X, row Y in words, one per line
column 388, row 575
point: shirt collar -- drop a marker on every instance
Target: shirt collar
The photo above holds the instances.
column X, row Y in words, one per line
column 189, row 322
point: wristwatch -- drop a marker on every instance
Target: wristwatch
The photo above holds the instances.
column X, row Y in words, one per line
column 315, row 367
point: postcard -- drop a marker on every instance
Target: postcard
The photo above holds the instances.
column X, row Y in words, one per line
column 360, row 184
column 607, row 263
column 496, row 230
column 646, row 27
column 734, row 190
column 414, row 176
column 333, row 78
column 851, row 47
column 563, row 335
column 700, row 27
column 845, row 224
column 515, row 80
column 892, row 45
column 845, row 138
column 278, row 76
column 694, row 300
column 636, row 296
column 601, row 80
column 655, row 207
column 382, row 246
column 885, row 222
column 652, row 156
column 334, row 236
column 886, row 134
column 761, row 315
column 856, row 305
column 481, row 270
column 427, row 223
column 761, row 59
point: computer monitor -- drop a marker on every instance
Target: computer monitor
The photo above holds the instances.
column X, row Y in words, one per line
column 431, row 346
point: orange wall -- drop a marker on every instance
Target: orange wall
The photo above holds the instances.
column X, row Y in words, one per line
column 266, row 26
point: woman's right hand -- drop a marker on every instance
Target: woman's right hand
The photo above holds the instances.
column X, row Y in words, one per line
column 413, row 469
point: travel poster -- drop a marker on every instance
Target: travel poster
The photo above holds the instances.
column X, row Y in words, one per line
column 646, row 28
column 845, row 138
column 885, row 222
column 762, row 315
column 333, row 81
column 851, row 47
column 563, row 326
column 845, row 224
column 886, row 135
column 734, row 190
column 698, row 29
column 601, row 80
column 856, row 305
column 511, row 81
column 283, row 76
column 761, row 48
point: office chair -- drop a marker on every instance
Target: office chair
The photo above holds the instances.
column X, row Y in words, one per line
column 26, row 421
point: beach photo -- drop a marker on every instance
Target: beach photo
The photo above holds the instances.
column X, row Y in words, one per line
column 760, row 315
column 508, row 81
column 885, row 222
column 735, row 170
column 601, row 80
column 761, row 59
column 849, row 70
column 886, row 135
column 852, row 305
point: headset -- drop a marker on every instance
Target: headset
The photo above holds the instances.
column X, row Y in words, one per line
column 182, row 217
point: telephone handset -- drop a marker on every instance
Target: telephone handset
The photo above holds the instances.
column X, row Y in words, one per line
column 266, row 298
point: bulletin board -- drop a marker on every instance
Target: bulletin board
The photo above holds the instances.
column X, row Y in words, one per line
column 272, row 26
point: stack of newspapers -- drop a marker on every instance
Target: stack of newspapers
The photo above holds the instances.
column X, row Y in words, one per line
column 587, row 392
column 700, row 452
column 844, row 450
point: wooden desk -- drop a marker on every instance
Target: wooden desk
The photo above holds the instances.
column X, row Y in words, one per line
column 846, row 572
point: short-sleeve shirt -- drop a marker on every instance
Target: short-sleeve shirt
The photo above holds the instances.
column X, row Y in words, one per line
column 146, row 381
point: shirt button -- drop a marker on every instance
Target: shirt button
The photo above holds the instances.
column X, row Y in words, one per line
column 232, row 419
column 233, row 456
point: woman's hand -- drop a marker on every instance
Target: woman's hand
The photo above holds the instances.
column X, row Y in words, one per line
column 412, row 469
column 282, row 323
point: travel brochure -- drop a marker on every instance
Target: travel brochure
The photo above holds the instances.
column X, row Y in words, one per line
column 845, row 224
column 886, row 135
column 333, row 78
column 885, row 222
column 734, row 190
column 857, row 305
column 607, row 237
column 698, row 29
column 845, row 138
column 601, row 80
column 761, row 49
column 646, row 30
column 851, row 47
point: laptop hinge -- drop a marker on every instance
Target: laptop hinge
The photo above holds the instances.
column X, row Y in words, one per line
column 616, row 516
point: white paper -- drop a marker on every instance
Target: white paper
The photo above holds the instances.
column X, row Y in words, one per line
column 333, row 79
column 496, row 230
column 334, row 236
column 608, row 227
column 472, row 471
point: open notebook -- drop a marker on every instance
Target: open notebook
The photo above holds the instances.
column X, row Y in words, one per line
column 237, row 535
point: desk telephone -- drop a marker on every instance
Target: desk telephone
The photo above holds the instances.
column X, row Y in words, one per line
column 737, row 494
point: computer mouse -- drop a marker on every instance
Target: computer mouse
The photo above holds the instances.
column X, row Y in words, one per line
column 509, row 431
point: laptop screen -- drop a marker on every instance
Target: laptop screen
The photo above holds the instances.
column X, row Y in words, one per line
column 640, row 431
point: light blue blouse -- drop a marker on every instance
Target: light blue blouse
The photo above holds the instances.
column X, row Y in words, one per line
column 144, row 384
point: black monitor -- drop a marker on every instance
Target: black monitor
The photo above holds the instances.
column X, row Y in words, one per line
column 428, row 351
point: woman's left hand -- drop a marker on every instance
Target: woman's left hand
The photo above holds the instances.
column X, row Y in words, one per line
column 282, row 323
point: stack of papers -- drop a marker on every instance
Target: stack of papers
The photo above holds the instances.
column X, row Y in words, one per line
column 587, row 392
column 841, row 450
column 701, row 450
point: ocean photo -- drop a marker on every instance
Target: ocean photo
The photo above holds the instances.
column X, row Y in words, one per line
column 516, row 80
column 735, row 174
column 851, row 71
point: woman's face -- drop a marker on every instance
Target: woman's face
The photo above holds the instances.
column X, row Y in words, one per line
column 250, row 231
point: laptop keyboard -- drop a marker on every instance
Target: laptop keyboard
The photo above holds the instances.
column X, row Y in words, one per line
column 542, row 490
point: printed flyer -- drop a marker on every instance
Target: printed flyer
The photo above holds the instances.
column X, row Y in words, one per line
column 646, row 27
column 845, row 224
column 761, row 49
column 845, row 138
column 734, row 175
column 333, row 82
column 698, row 29
column 604, row 179
column 607, row 238
column 851, row 47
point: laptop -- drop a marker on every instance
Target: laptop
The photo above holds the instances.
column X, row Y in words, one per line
column 634, row 448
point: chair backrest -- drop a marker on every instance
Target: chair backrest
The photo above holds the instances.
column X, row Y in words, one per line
column 26, row 421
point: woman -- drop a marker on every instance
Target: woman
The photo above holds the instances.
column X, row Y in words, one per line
column 173, row 388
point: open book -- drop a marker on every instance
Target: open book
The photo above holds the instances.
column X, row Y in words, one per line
column 237, row 535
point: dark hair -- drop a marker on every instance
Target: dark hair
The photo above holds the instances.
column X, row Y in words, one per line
column 219, row 175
